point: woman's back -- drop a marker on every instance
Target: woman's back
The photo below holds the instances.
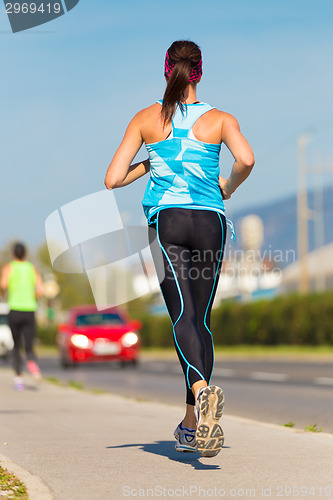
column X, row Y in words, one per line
column 208, row 128
column 21, row 286
column 184, row 170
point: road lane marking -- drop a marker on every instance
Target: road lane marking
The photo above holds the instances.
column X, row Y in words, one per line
column 163, row 368
column 156, row 367
column 270, row 377
column 228, row 372
column 175, row 369
column 223, row 372
column 324, row 380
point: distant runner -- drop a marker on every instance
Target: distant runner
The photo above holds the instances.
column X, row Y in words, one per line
column 24, row 285
column 183, row 203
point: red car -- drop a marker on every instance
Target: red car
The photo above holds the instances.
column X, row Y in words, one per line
column 92, row 335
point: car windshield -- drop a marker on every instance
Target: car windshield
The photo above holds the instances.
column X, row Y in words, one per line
column 3, row 319
column 100, row 319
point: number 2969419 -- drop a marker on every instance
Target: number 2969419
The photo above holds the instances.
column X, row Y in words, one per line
column 33, row 8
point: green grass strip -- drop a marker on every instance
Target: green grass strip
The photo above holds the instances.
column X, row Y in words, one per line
column 11, row 487
column 307, row 352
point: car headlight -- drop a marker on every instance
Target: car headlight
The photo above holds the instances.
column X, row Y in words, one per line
column 80, row 341
column 130, row 339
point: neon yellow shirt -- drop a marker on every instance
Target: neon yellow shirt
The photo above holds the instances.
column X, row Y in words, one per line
column 21, row 286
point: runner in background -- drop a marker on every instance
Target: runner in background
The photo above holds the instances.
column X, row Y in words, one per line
column 24, row 285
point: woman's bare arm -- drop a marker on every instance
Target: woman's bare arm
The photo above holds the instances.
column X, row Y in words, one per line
column 120, row 172
column 4, row 277
column 39, row 289
column 134, row 172
column 241, row 151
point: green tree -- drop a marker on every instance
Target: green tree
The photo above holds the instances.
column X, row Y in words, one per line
column 74, row 288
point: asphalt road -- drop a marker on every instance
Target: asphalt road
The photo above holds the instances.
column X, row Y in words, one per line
column 269, row 391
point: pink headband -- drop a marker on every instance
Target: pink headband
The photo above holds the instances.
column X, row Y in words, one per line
column 196, row 72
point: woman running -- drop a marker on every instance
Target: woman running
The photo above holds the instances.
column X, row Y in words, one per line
column 24, row 285
column 183, row 203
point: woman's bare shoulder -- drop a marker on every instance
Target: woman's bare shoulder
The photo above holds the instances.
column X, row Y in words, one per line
column 148, row 122
column 222, row 115
column 6, row 268
column 223, row 118
column 149, row 112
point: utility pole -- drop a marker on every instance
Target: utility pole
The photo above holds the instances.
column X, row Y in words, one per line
column 319, row 229
column 318, row 169
column 302, row 215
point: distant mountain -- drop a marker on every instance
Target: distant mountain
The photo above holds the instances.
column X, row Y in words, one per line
column 279, row 218
column 280, row 223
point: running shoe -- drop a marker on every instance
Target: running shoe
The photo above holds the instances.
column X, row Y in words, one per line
column 185, row 439
column 33, row 368
column 18, row 384
column 209, row 408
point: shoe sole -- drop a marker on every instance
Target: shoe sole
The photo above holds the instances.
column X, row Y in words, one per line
column 209, row 435
column 182, row 447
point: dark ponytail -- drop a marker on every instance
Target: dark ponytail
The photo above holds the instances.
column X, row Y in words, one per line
column 182, row 66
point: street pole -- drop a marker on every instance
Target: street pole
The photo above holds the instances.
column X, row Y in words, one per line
column 302, row 215
column 318, row 170
column 319, row 229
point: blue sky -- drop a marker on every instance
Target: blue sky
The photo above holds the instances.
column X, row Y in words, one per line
column 69, row 88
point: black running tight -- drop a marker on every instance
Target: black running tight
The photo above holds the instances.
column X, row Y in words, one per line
column 23, row 327
column 192, row 243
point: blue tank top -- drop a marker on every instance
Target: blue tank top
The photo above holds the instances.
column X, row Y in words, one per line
column 184, row 172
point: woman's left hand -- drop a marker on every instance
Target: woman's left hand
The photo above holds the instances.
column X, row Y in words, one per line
column 223, row 188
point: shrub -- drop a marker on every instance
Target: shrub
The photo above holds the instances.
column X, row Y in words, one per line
column 47, row 334
column 290, row 319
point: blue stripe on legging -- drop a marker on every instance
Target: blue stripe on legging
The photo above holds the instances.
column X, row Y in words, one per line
column 182, row 309
column 210, row 298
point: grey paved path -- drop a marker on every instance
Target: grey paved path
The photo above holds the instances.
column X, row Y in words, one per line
column 95, row 446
